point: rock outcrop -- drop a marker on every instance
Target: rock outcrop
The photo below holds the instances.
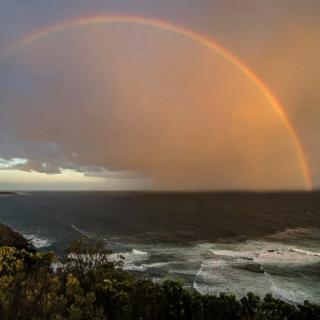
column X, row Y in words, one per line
column 11, row 238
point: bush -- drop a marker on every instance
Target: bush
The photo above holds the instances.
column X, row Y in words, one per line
column 87, row 285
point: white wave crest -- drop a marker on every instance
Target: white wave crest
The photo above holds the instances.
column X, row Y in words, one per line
column 131, row 260
column 268, row 253
column 138, row 252
column 83, row 232
column 182, row 272
column 132, row 267
column 307, row 252
column 156, row 264
column 296, row 234
column 37, row 241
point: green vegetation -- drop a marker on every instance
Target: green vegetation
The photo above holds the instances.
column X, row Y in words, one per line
column 89, row 286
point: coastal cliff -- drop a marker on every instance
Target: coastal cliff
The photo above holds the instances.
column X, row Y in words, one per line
column 11, row 238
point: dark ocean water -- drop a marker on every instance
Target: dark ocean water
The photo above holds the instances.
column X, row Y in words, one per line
column 214, row 242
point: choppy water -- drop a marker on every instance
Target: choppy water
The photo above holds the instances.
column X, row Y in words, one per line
column 214, row 242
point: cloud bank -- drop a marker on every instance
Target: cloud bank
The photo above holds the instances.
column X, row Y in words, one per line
column 130, row 102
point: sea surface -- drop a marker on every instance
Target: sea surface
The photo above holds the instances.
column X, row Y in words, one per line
column 213, row 242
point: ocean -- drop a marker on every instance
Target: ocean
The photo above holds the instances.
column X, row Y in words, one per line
column 213, row 242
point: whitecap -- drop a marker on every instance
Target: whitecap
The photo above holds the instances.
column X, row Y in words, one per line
column 183, row 272
column 296, row 234
column 233, row 269
column 83, row 232
column 267, row 253
column 131, row 260
column 307, row 252
column 156, row 264
column 245, row 255
column 292, row 292
column 138, row 252
column 37, row 241
column 132, row 267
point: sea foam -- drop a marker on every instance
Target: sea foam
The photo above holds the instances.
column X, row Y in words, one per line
column 37, row 241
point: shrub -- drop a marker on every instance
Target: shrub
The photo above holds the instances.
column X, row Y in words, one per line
column 88, row 285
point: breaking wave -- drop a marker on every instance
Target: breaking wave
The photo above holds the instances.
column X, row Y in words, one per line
column 292, row 234
column 132, row 259
column 261, row 267
column 37, row 241
column 83, row 232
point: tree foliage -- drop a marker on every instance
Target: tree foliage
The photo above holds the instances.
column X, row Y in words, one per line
column 87, row 285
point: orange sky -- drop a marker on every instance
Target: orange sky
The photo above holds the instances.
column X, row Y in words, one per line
column 134, row 107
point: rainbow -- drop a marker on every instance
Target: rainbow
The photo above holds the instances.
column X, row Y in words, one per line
column 204, row 41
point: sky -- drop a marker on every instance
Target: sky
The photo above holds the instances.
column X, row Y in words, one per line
column 129, row 106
